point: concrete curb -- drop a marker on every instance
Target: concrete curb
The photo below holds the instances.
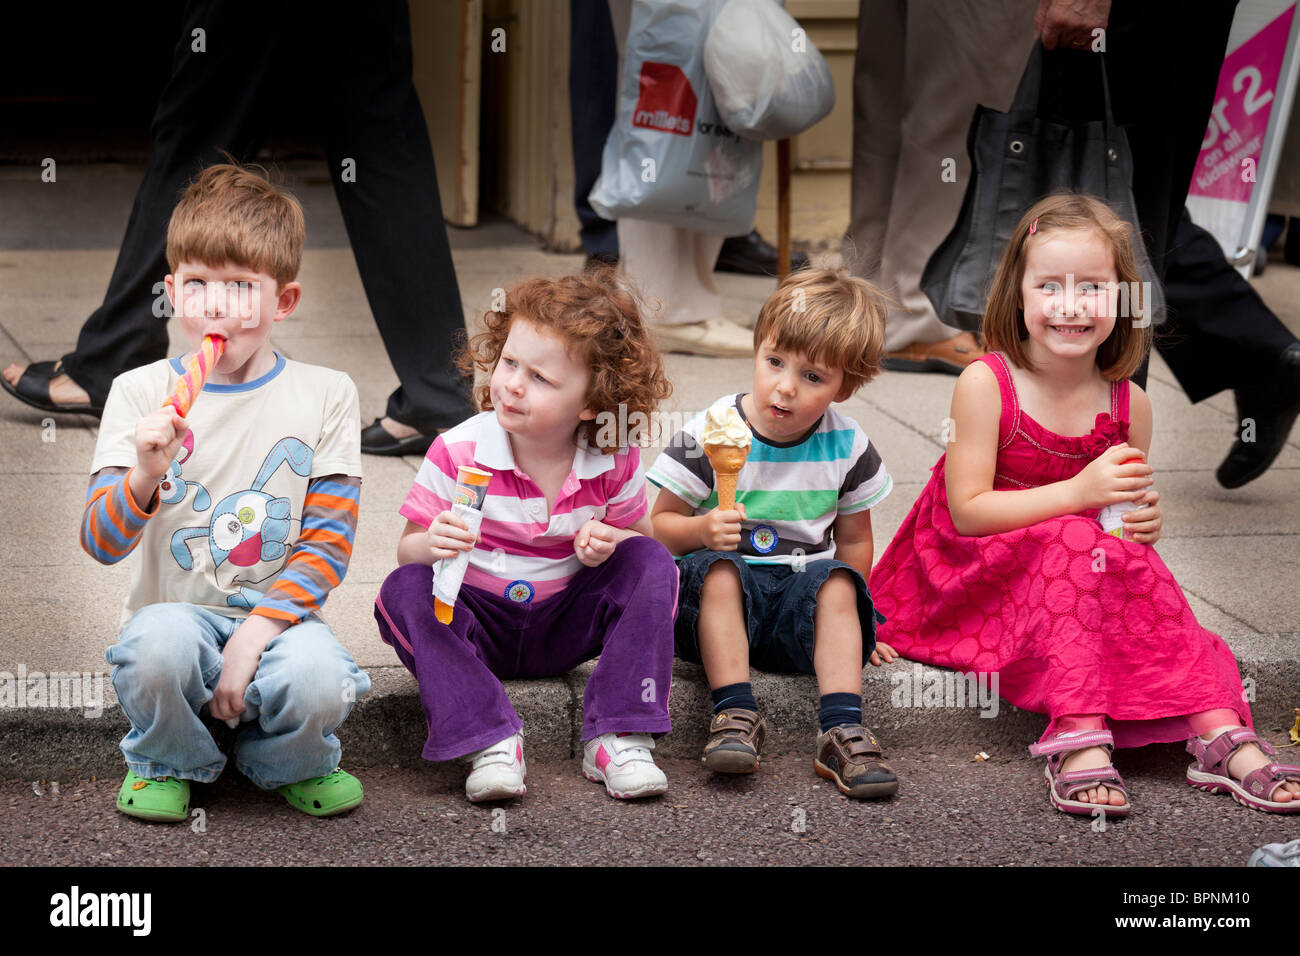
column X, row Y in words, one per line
column 387, row 725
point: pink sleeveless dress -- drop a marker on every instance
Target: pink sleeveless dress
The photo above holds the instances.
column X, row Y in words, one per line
column 1072, row 620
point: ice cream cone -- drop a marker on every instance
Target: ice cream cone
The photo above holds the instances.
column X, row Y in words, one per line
column 727, row 460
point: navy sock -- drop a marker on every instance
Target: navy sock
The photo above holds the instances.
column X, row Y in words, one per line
column 734, row 695
column 840, row 710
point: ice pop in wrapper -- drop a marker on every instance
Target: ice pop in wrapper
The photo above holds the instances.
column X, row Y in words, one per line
column 200, row 364
column 467, row 504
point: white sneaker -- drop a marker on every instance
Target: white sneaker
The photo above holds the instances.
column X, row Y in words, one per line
column 716, row 337
column 622, row 762
column 498, row 772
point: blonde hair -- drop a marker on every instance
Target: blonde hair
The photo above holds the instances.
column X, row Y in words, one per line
column 1004, row 318
column 834, row 318
column 233, row 214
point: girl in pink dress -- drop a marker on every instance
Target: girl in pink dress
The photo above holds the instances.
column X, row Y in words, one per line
column 1002, row 566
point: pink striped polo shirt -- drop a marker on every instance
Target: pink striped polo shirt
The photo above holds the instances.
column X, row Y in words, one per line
column 524, row 554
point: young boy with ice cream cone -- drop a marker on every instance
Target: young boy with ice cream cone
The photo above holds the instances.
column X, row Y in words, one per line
column 765, row 500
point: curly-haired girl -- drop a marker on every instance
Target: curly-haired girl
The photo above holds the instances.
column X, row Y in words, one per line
column 565, row 567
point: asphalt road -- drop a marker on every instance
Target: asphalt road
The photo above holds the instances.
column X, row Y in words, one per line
column 951, row 810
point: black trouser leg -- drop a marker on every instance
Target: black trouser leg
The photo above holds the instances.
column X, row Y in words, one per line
column 202, row 109
column 392, row 211
column 593, row 87
column 1235, row 339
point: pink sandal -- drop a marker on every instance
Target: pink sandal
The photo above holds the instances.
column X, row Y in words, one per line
column 1063, row 786
column 1210, row 772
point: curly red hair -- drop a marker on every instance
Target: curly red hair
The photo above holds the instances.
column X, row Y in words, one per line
column 600, row 319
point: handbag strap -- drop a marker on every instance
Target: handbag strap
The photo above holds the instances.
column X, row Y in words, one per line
column 1024, row 108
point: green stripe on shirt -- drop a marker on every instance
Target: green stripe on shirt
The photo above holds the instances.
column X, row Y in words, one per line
column 805, row 505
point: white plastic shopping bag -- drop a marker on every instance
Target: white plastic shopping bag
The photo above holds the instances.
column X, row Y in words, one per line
column 669, row 157
column 768, row 79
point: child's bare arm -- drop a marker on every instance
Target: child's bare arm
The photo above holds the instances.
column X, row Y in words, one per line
column 1144, row 523
column 681, row 531
column 854, row 544
column 977, row 509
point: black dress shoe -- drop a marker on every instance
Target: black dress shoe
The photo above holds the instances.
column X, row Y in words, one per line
column 376, row 440
column 1272, row 408
column 755, row 256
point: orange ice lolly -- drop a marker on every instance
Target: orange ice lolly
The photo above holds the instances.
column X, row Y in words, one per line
column 200, row 364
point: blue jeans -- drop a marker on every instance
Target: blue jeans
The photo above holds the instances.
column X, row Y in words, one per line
column 166, row 665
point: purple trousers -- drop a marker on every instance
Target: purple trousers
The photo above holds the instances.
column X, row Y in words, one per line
column 621, row 611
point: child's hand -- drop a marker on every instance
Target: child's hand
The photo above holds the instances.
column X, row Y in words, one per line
column 595, row 542
column 158, row 438
column 722, row 529
column 883, row 654
column 238, row 668
column 1143, row 523
column 449, row 535
column 1112, row 478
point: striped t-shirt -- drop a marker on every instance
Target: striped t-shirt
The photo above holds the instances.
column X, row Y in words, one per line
column 525, row 554
column 792, row 491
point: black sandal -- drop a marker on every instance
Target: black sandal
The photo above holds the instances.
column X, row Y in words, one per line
column 33, row 389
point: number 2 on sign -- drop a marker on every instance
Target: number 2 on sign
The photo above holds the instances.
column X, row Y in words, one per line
column 1252, row 103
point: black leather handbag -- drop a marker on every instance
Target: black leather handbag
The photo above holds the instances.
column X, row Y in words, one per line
column 1017, row 158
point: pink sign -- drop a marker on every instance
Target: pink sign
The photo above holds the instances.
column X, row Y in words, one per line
column 1230, row 151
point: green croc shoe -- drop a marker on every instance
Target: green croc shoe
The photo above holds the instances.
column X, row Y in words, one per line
column 325, row 796
column 166, row 799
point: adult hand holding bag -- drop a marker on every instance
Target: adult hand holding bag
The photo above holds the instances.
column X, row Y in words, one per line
column 1017, row 158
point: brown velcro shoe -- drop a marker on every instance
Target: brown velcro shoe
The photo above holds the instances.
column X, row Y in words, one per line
column 735, row 740
column 851, row 756
column 951, row 356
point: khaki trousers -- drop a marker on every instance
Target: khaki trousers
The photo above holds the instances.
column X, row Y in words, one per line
column 921, row 68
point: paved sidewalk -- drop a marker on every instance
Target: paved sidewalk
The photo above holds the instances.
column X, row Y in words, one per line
column 1235, row 553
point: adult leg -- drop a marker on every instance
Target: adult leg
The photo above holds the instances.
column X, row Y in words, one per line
column 305, row 686
column 200, row 112
column 1209, row 297
column 593, row 87
column 392, row 210
column 1220, row 335
column 673, row 268
column 166, row 664
column 877, row 131
column 983, row 53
